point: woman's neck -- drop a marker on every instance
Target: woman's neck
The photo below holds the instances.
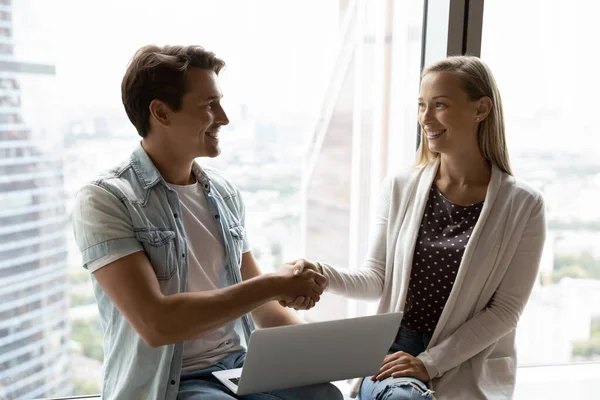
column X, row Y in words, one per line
column 464, row 170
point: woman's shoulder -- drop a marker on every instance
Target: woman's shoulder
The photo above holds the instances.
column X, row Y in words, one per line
column 522, row 190
column 405, row 175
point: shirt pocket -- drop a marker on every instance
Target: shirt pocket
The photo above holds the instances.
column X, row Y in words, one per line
column 159, row 246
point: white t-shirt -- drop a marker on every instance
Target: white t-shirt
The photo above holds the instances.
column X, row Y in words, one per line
column 206, row 263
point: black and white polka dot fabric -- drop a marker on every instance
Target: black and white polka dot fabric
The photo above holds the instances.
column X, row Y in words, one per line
column 443, row 235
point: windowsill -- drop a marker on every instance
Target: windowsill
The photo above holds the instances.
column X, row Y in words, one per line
column 89, row 396
column 577, row 380
column 563, row 381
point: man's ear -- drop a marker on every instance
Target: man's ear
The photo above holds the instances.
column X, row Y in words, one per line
column 159, row 111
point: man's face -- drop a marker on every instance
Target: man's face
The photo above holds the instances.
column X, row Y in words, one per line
column 195, row 128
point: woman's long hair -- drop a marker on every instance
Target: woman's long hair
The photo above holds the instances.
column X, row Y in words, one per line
column 477, row 81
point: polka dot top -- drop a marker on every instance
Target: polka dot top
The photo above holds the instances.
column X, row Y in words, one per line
column 443, row 235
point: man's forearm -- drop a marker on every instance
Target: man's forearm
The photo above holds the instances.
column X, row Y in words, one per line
column 184, row 316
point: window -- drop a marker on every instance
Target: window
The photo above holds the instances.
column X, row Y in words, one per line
column 310, row 139
column 6, row 48
column 69, row 106
column 545, row 72
column 367, row 128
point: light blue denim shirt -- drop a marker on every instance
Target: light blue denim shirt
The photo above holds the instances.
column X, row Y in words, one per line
column 131, row 208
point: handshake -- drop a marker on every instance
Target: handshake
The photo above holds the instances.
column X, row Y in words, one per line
column 301, row 284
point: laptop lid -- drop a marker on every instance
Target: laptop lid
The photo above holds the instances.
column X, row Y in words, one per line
column 298, row 355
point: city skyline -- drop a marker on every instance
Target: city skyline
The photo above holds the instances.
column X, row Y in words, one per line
column 34, row 329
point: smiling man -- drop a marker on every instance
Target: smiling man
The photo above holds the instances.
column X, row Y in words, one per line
column 176, row 283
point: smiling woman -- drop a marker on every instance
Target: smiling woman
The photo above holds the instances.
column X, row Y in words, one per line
column 463, row 99
column 464, row 259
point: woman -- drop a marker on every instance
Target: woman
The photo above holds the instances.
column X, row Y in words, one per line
column 457, row 246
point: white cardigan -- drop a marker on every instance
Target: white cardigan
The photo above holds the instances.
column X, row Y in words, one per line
column 472, row 352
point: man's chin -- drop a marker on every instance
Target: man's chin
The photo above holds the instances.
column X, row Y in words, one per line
column 209, row 153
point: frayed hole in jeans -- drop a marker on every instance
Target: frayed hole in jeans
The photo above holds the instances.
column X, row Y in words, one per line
column 415, row 386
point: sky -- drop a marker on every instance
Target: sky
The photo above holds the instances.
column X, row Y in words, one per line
column 278, row 51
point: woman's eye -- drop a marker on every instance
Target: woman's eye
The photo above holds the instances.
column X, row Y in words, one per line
column 440, row 105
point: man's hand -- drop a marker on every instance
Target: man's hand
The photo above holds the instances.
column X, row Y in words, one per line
column 304, row 266
column 402, row 364
column 295, row 282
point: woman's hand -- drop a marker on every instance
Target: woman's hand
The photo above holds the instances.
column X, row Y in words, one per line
column 301, row 266
column 402, row 364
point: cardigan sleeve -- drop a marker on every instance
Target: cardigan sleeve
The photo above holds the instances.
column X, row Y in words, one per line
column 502, row 313
column 366, row 282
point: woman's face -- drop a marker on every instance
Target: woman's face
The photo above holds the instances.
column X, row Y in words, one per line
column 448, row 118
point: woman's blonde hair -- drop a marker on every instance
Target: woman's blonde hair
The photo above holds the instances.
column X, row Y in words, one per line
column 477, row 81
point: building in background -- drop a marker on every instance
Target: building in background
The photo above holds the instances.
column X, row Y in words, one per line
column 34, row 329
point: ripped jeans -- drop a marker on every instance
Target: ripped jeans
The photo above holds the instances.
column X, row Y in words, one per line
column 410, row 342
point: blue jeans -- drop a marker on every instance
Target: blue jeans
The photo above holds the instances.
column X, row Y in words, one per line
column 200, row 385
column 407, row 388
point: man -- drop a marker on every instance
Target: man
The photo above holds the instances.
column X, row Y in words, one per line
column 164, row 240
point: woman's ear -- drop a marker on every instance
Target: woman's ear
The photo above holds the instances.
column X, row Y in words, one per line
column 484, row 108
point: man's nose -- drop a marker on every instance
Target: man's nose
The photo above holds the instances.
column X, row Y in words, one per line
column 221, row 117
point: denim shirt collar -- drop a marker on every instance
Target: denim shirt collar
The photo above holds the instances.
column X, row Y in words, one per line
column 149, row 175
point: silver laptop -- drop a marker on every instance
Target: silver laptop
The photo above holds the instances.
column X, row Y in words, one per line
column 298, row 355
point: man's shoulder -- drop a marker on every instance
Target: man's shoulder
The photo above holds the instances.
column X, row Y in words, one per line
column 121, row 180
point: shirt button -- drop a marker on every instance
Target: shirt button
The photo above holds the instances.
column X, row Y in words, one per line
column 176, row 215
column 183, row 255
column 216, row 217
column 206, row 186
column 172, row 382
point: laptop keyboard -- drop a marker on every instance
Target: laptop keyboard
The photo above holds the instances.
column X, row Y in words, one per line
column 235, row 380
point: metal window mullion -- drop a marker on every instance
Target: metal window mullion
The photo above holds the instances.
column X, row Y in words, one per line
column 474, row 24
column 450, row 27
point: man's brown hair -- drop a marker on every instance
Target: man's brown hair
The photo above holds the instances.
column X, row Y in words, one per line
column 160, row 73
